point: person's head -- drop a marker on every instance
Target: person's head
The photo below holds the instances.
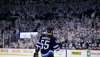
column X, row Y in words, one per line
column 50, row 31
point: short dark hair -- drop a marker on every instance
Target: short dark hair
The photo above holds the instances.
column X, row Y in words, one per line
column 49, row 29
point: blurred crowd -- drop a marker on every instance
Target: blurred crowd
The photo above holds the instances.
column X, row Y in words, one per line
column 76, row 23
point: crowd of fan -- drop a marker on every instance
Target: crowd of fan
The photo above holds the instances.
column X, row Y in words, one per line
column 77, row 23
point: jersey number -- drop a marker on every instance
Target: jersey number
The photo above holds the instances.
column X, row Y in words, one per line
column 45, row 44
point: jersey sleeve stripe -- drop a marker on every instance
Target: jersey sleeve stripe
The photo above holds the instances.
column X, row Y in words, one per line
column 48, row 53
column 56, row 46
